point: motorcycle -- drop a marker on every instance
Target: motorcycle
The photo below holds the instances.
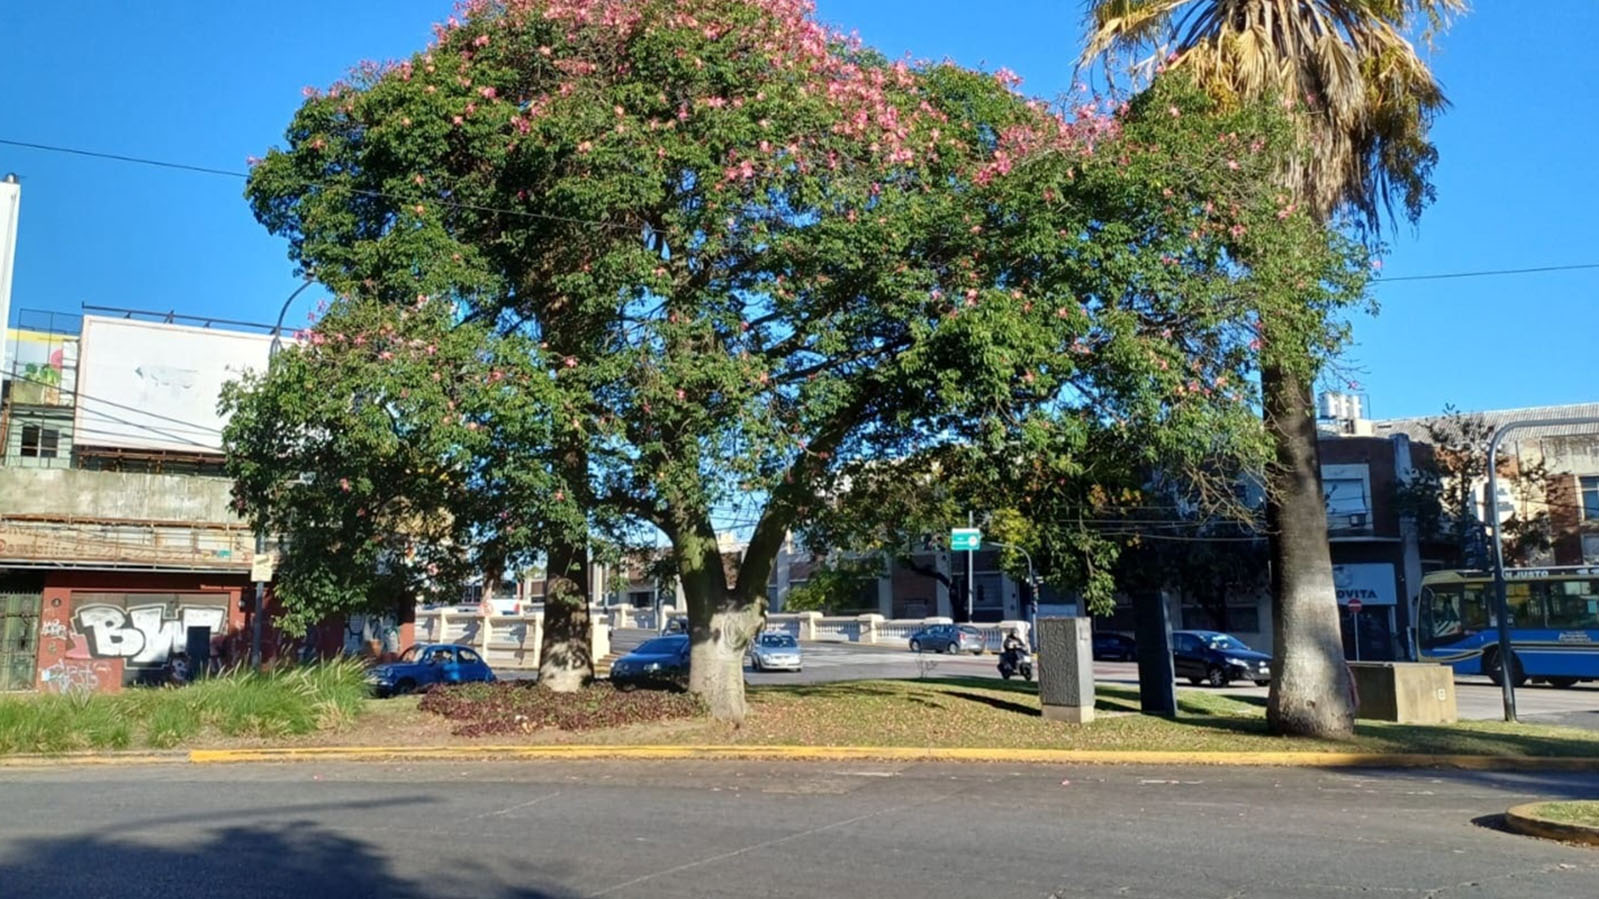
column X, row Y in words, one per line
column 1016, row 661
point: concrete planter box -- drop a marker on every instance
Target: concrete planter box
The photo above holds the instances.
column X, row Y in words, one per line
column 1405, row 692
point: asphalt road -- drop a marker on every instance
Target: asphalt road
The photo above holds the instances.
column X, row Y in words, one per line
column 702, row 829
column 1476, row 697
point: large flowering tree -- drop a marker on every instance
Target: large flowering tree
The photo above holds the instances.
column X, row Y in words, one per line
column 752, row 254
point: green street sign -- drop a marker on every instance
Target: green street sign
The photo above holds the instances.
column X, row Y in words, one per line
column 965, row 538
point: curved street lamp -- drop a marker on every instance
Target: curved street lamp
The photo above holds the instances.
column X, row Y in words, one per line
column 256, row 613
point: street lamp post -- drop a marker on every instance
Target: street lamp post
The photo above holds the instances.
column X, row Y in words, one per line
column 259, row 608
column 1032, row 593
column 1507, row 658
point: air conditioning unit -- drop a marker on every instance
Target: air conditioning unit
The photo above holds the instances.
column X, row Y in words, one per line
column 1357, row 520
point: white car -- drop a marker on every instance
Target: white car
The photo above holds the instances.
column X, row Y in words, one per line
column 776, row 652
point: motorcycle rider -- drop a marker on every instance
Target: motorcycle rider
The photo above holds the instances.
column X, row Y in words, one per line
column 1012, row 648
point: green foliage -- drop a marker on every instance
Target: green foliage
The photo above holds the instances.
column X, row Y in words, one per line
column 399, row 450
column 836, row 586
column 240, row 703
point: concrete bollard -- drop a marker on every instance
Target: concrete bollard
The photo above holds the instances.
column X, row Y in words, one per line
column 1066, row 669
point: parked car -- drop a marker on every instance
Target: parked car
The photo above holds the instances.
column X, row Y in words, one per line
column 426, row 664
column 776, row 652
column 1215, row 658
column 948, row 638
column 660, row 662
column 1112, row 647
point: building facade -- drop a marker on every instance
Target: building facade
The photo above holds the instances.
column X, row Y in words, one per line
column 1568, row 454
column 119, row 543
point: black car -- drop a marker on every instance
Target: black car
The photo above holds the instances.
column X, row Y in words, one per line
column 1218, row 659
column 660, row 662
column 1109, row 647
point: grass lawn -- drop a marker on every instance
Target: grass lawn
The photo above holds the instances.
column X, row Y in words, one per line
column 274, row 705
column 1584, row 813
column 960, row 712
column 328, row 706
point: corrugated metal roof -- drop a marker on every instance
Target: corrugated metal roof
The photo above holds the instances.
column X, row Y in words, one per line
column 1416, row 428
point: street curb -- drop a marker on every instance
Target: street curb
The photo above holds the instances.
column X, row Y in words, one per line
column 893, row 754
column 1523, row 819
column 602, row 752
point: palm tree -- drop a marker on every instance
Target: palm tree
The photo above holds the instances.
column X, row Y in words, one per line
column 1362, row 100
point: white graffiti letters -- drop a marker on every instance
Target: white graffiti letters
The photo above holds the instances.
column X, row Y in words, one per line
column 143, row 635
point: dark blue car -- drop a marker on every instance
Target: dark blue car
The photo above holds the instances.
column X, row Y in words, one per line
column 426, row 664
column 1218, row 659
column 661, row 662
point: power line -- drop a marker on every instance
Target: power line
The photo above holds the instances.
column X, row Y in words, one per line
column 378, row 194
column 228, row 173
column 1488, row 273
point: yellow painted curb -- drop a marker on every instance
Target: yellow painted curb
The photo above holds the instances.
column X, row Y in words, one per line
column 892, row 753
column 105, row 760
column 1524, row 819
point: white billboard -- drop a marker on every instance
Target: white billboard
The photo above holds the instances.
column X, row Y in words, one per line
column 149, row 386
column 10, row 209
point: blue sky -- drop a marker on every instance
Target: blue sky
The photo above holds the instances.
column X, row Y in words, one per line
column 212, row 83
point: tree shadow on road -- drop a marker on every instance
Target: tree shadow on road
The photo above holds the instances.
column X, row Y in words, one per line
column 294, row 859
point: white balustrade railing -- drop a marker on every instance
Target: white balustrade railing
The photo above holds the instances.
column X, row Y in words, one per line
column 506, row 641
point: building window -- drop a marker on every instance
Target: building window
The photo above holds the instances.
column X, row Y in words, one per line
column 1590, row 499
column 40, row 443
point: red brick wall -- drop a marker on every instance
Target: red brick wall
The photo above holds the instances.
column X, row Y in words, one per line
column 1565, row 518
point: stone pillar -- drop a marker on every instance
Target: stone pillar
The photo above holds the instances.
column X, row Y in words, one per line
column 869, row 628
column 1066, row 669
column 807, row 625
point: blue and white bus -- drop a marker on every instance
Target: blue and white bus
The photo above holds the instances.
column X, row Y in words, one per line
column 1554, row 623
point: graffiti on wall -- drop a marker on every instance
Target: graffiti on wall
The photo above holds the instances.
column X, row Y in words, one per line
column 363, row 631
column 75, row 676
column 143, row 635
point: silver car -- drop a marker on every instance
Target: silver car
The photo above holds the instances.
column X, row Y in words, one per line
column 776, row 652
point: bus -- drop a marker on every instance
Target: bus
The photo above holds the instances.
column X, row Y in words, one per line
column 1554, row 623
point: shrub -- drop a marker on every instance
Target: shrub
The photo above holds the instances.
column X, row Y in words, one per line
column 507, row 708
column 238, row 703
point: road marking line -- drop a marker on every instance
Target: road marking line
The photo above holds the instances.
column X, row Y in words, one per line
column 520, row 805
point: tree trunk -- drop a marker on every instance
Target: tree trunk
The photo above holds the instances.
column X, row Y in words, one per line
column 1310, row 693
column 566, row 659
column 722, row 622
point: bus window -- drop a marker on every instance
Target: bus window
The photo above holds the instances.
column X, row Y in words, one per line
column 1441, row 620
column 1574, row 605
column 1525, row 601
column 1474, row 610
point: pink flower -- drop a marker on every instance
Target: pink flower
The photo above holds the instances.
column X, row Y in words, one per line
column 681, row 394
column 488, row 93
column 560, row 496
column 571, row 362
column 344, row 484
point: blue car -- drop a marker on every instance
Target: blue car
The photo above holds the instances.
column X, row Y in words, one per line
column 661, row 662
column 427, row 664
